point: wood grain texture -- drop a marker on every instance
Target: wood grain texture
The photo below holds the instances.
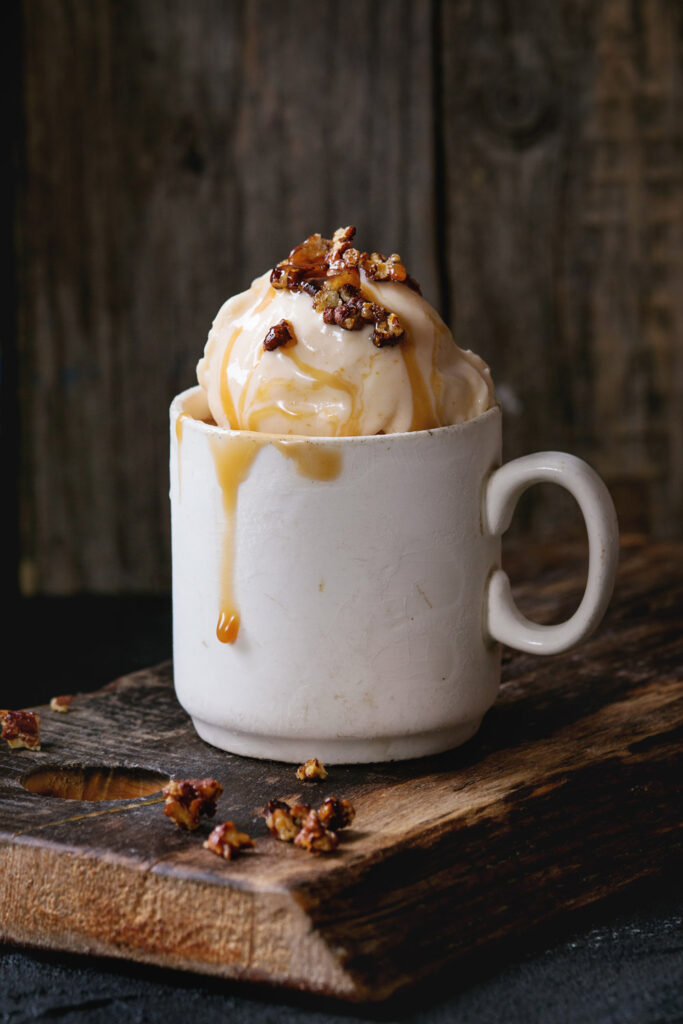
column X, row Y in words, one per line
column 570, row 792
column 563, row 155
column 175, row 151
column 525, row 160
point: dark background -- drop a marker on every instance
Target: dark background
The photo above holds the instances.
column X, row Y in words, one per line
column 525, row 159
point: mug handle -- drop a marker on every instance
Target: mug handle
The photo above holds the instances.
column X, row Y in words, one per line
column 505, row 485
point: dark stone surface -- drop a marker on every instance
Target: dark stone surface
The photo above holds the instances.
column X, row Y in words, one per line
column 618, row 963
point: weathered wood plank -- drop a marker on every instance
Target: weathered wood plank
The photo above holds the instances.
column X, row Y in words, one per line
column 563, row 151
column 173, row 152
column 570, row 792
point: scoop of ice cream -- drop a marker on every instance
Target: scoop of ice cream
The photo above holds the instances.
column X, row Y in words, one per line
column 325, row 347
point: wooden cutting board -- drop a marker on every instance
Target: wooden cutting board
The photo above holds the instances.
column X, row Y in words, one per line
column 570, row 792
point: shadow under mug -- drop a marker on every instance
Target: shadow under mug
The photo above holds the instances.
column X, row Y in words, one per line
column 342, row 598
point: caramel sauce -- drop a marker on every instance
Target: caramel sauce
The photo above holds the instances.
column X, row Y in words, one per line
column 268, row 297
column 318, row 379
column 226, row 397
column 228, row 626
column 423, row 410
column 233, row 457
column 436, row 380
column 245, row 389
column 315, row 381
column 257, row 416
column 179, row 436
column 179, row 425
column 311, row 460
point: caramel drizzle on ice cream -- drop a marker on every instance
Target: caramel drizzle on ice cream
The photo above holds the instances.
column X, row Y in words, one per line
column 226, row 397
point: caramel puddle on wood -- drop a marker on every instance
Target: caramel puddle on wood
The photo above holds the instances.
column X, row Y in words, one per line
column 233, row 457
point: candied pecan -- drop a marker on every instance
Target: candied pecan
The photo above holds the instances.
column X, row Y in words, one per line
column 352, row 258
column 383, row 268
column 187, row 799
column 226, row 841
column 281, row 333
column 341, row 242
column 279, row 821
column 336, row 813
column 345, row 281
column 311, row 287
column 21, row 729
column 326, row 298
column 372, row 312
column 284, row 821
column 348, row 316
column 329, row 270
column 305, row 262
column 311, row 769
column 61, row 703
column 337, row 289
column 388, row 331
column 312, row 251
column 314, row 837
column 285, row 277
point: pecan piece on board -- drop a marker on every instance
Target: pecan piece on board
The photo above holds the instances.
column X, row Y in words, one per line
column 314, row 837
column 21, row 729
column 283, row 821
column 311, row 769
column 335, row 813
column 62, row 703
column 187, row 799
column 227, row 841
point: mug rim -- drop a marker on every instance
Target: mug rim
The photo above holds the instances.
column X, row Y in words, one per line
column 176, row 408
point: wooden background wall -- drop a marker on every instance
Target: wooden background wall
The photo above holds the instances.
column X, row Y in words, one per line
column 524, row 158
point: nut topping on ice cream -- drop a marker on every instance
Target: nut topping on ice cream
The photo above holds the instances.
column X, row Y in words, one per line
column 329, row 269
column 337, row 342
column 279, row 334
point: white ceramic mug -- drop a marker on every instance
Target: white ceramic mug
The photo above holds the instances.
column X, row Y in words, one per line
column 342, row 598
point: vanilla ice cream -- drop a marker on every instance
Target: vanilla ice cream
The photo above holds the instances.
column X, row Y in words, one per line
column 334, row 343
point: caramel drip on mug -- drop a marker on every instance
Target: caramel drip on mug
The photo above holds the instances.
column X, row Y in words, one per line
column 311, row 460
column 232, row 457
column 179, row 437
column 226, row 397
